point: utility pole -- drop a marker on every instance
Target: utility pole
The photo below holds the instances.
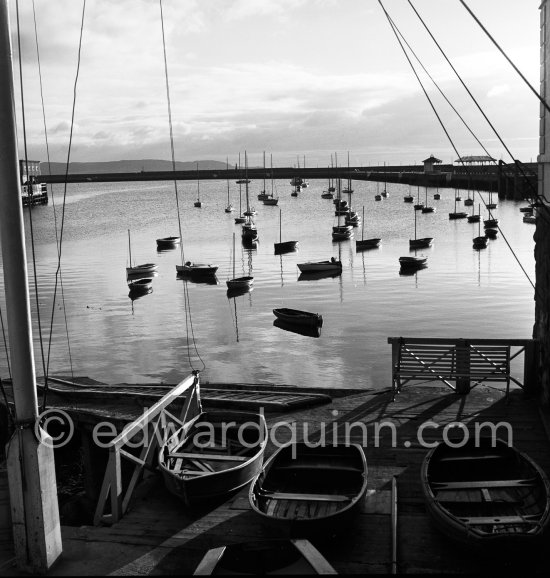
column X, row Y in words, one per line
column 31, row 470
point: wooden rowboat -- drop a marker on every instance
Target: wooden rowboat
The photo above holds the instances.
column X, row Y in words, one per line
column 265, row 557
column 482, row 495
column 310, row 490
column 314, row 266
column 168, row 242
column 297, row 317
column 213, row 455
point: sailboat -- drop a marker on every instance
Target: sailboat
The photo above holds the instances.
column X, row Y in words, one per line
column 385, row 193
column 229, row 208
column 348, row 189
column 143, row 270
column 198, row 203
column 479, row 242
column 287, row 246
column 457, row 214
column 426, row 208
column 418, row 205
column 474, row 217
column 270, row 199
column 238, row 283
column 457, row 196
column 263, row 195
column 490, row 204
column 437, row 195
column 249, row 232
column 351, row 217
column 408, row 198
column 241, row 218
column 341, row 232
column 366, row 243
column 468, row 202
column 419, row 243
column 328, row 193
column 378, row 196
column 490, row 223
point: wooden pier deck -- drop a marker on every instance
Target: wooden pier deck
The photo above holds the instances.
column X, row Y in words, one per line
column 158, row 536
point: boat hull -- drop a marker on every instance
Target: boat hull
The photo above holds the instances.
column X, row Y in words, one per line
column 297, row 317
column 482, row 496
column 145, row 269
column 168, row 242
column 195, row 484
column 313, row 267
column 412, row 262
column 240, row 283
column 314, row 494
column 196, row 270
column 367, row 244
column 285, row 247
column 420, row 243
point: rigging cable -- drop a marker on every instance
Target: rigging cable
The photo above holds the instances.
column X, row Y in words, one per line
column 29, row 185
column 60, row 246
column 188, row 318
column 543, row 102
column 11, row 414
column 55, row 219
column 535, row 193
column 394, row 27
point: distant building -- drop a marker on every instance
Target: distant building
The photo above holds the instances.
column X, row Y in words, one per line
column 429, row 164
column 475, row 160
column 29, row 170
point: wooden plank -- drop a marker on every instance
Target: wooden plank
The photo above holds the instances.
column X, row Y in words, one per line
column 309, row 497
column 527, row 483
column 209, row 457
column 498, row 520
column 209, row 562
column 314, row 557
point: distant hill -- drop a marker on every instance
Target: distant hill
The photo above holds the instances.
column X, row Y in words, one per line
column 129, row 166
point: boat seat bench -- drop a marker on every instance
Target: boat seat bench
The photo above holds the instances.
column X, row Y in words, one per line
column 305, row 497
column 499, row 520
column 472, row 485
column 458, row 363
column 209, row 457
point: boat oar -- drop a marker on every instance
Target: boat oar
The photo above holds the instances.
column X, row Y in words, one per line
column 394, row 525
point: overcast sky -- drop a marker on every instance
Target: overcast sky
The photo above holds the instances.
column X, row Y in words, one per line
column 290, row 77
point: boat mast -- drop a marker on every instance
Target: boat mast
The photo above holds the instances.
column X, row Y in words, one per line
column 271, row 163
column 233, row 255
column 30, row 456
column 129, row 247
column 363, row 225
column 264, row 174
column 280, row 226
column 198, row 184
column 227, row 169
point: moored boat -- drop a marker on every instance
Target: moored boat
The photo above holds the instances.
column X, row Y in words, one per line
column 196, row 269
column 313, row 266
column 307, row 490
column 143, row 270
column 484, row 492
column 168, row 242
column 298, row 317
column 412, row 262
column 212, row 455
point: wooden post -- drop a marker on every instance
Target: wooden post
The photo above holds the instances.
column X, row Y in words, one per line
column 31, row 471
column 462, row 351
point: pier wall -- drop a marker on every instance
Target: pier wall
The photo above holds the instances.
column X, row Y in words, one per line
column 541, row 330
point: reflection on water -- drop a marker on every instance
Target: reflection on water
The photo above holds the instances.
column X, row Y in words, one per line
column 299, row 329
column 463, row 292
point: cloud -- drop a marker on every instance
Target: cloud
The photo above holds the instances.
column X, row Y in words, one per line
column 498, row 90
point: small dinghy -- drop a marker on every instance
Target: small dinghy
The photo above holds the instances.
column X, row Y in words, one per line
column 310, row 490
column 297, row 317
column 483, row 495
column 213, row 455
column 265, row 557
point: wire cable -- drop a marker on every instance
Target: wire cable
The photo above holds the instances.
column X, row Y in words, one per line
column 187, row 302
column 543, row 102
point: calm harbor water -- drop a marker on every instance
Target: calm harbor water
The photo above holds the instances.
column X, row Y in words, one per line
column 462, row 292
